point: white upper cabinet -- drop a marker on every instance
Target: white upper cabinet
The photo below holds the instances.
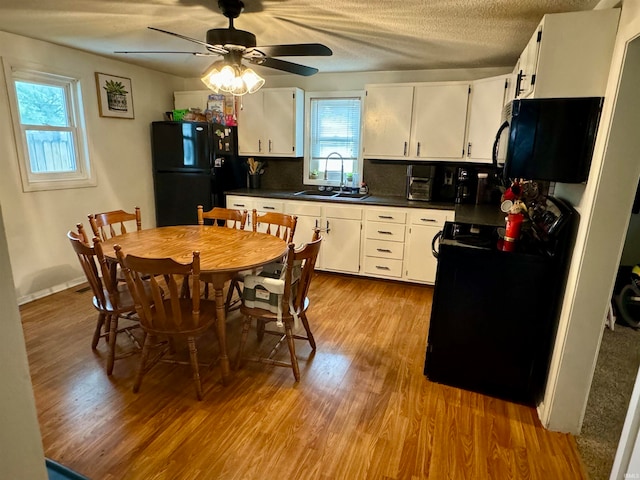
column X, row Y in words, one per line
column 415, row 121
column 387, row 121
column 568, row 55
column 271, row 123
column 485, row 116
column 439, row 119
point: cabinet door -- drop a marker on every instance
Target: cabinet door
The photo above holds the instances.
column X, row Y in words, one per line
column 341, row 245
column 485, row 116
column 251, row 125
column 340, row 249
column 439, row 121
column 387, row 121
column 309, row 217
column 279, row 122
column 420, row 263
column 528, row 64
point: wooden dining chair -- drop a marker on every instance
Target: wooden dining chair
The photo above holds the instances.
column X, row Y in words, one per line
column 287, row 302
column 279, row 224
column 111, row 300
column 109, row 224
column 227, row 217
column 164, row 311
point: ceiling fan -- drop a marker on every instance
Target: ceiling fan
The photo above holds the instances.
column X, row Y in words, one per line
column 234, row 45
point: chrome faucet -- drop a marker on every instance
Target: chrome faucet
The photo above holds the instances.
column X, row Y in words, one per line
column 326, row 161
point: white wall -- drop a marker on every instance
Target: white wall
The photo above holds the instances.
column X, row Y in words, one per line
column 36, row 222
column 605, row 206
column 21, row 454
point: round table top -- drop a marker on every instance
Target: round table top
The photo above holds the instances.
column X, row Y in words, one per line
column 221, row 249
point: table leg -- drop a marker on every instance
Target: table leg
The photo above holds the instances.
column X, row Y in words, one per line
column 221, row 328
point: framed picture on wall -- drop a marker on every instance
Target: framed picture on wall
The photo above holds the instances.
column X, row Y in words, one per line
column 115, row 98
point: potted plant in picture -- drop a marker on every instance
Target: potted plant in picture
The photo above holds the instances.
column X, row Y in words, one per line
column 116, row 95
column 314, row 174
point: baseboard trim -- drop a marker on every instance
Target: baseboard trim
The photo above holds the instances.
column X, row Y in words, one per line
column 51, row 290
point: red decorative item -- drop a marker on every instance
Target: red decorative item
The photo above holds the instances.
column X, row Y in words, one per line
column 514, row 223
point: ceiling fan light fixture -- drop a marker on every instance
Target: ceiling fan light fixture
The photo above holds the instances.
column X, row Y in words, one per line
column 252, row 80
column 235, row 79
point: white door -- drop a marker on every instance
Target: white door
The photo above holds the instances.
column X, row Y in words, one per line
column 485, row 116
column 439, row 121
column 251, row 125
column 387, row 121
column 279, row 122
column 341, row 245
column 421, row 265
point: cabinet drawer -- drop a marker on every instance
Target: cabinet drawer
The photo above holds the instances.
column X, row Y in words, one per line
column 430, row 217
column 383, row 249
column 266, row 205
column 304, row 209
column 239, row 203
column 387, row 216
column 383, row 266
column 346, row 213
column 393, row 232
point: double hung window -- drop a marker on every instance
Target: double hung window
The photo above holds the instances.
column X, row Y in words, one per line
column 49, row 129
column 333, row 130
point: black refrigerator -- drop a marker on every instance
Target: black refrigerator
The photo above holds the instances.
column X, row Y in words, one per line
column 194, row 163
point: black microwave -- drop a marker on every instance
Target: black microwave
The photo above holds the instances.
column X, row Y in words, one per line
column 548, row 138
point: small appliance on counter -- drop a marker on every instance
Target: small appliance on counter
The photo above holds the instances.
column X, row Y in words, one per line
column 466, row 186
column 420, row 182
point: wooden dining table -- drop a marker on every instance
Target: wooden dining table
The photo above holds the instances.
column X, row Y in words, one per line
column 223, row 252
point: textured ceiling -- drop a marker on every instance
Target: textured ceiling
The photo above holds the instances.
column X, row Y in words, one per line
column 365, row 35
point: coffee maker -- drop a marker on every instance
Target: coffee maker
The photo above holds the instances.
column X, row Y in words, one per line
column 465, row 186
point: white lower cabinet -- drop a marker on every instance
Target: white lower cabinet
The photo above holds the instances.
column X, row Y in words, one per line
column 384, row 242
column 420, row 264
column 372, row 241
column 342, row 226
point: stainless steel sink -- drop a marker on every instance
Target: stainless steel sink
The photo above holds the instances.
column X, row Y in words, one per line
column 316, row 193
column 351, row 195
column 331, row 194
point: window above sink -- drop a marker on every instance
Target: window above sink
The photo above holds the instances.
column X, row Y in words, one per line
column 333, row 151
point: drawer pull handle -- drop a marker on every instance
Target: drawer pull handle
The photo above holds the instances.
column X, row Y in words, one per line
column 382, row 267
column 383, row 250
column 238, row 204
column 432, row 220
column 269, row 208
column 382, row 232
column 386, row 217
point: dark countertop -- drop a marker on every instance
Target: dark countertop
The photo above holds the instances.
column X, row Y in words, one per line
column 465, row 213
column 388, row 201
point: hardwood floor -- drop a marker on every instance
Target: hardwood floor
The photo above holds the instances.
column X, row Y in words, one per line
column 362, row 410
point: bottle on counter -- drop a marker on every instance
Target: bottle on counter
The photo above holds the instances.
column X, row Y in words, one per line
column 483, row 192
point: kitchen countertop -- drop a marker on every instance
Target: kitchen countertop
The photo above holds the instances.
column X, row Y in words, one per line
column 381, row 200
column 465, row 213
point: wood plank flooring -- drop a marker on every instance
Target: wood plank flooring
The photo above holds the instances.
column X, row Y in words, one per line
column 362, row 410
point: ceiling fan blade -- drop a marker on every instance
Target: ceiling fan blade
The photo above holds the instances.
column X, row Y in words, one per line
column 295, row 50
column 197, row 54
column 285, row 66
column 213, row 48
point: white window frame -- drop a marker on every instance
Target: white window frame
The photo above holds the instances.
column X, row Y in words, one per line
column 308, row 96
column 83, row 175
